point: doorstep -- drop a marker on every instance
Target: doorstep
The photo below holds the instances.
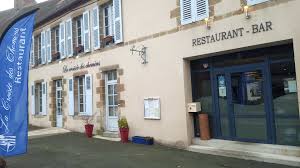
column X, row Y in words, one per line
column 278, row 154
column 109, row 136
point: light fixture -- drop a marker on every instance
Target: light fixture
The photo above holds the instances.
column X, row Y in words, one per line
column 207, row 23
column 246, row 11
column 60, row 62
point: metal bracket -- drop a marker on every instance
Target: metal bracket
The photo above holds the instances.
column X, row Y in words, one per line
column 142, row 53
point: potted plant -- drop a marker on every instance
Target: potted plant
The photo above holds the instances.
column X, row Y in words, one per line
column 89, row 126
column 124, row 129
column 79, row 49
column 56, row 56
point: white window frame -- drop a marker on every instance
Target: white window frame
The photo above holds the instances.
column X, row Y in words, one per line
column 32, row 59
column 68, row 39
column 43, row 47
column 83, row 94
column 81, row 32
column 39, row 99
column 95, row 28
column 255, row 2
column 39, row 49
column 58, row 99
column 194, row 13
column 56, row 41
column 48, row 45
column 110, row 18
column 86, row 31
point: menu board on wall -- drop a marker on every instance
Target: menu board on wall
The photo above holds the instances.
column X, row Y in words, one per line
column 152, row 108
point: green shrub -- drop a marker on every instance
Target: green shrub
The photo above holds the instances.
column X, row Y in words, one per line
column 123, row 123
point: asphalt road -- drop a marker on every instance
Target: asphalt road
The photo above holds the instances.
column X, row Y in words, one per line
column 74, row 150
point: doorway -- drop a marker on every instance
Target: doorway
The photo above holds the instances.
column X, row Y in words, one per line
column 111, row 99
column 58, row 101
column 241, row 103
column 250, row 96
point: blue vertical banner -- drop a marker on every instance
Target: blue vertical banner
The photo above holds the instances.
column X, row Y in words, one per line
column 14, row 66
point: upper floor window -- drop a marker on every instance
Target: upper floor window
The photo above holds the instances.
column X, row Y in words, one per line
column 77, row 36
column 38, row 49
column 56, row 40
column 79, row 30
column 32, row 59
column 193, row 10
column 254, row 2
column 108, row 20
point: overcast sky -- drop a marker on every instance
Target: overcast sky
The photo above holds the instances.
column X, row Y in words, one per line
column 7, row 4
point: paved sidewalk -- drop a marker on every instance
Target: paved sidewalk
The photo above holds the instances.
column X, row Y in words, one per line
column 74, row 150
column 46, row 132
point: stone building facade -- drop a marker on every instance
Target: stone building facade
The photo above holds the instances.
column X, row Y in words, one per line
column 194, row 51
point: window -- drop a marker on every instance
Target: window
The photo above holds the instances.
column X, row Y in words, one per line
column 32, row 60
column 193, row 10
column 39, row 49
column 79, row 30
column 81, row 95
column 285, row 103
column 254, row 2
column 38, row 99
column 108, row 20
column 56, row 34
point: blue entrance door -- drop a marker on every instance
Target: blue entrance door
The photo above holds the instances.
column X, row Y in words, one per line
column 241, row 103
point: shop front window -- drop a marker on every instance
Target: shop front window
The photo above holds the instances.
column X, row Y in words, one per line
column 285, row 103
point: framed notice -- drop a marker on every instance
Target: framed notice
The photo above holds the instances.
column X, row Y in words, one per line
column 152, row 108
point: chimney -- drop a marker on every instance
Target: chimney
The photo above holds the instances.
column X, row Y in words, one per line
column 19, row 4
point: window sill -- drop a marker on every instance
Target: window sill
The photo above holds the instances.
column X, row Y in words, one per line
column 81, row 117
column 39, row 116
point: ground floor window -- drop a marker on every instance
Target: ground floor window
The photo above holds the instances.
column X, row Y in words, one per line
column 285, row 102
column 250, row 96
column 80, row 99
column 38, row 99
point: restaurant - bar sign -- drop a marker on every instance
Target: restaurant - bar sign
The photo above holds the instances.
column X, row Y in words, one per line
column 231, row 34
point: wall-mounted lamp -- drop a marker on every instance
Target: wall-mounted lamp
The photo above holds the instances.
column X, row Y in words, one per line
column 207, row 23
column 246, row 11
column 141, row 52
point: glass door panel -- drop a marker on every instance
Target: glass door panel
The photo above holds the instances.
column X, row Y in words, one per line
column 223, row 105
column 248, row 105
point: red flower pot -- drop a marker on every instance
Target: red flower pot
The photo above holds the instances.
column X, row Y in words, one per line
column 124, row 134
column 89, row 130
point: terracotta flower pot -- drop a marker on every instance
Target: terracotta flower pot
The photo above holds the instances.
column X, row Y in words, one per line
column 204, row 127
column 89, row 130
column 124, row 134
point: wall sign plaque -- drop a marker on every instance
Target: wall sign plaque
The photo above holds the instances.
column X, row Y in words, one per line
column 231, row 34
column 76, row 67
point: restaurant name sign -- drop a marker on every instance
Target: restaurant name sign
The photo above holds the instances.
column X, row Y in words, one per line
column 231, row 34
column 81, row 66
